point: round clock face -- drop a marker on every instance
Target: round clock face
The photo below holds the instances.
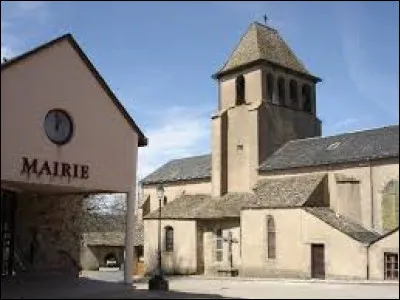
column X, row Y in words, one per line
column 58, row 126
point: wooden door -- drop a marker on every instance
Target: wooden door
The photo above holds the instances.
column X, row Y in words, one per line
column 317, row 261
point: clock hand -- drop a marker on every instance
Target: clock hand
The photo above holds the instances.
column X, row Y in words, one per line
column 57, row 121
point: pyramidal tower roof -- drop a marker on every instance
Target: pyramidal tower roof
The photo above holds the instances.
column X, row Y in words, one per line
column 263, row 43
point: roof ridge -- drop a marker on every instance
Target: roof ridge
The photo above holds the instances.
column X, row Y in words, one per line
column 339, row 217
column 189, row 157
column 234, row 49
column 36, row 49
column 258, row 46
column 343, row 133
column 265, row 26
column 347, row 219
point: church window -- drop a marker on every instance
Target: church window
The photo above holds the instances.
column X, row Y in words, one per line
column 306, row 95
column 270, row 87
column 281, row 91
column 390, row 205
column 391, row 266
column 271, row 238
column 240, row 90
column 293, row 91
column 146, row 206
column 165, row 200
column 219, row 245
column 169, row 239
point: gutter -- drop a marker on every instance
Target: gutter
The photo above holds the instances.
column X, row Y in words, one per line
column 368, row 245
column 372, row 195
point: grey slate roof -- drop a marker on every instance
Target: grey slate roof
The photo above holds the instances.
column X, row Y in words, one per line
column 204, row 207
column 351, row 147
column 343, row 224
column 262, row 42
column 183, row 207
column 109, row 230
column 96, row 222
column 113, row 238
column 292, row 191
column 196, row 167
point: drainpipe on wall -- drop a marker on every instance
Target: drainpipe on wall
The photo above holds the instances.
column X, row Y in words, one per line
column 372, row 196
column 368, row 260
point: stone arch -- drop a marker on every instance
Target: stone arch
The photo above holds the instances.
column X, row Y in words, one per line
column 293, row 91
column 306, row 97
column 270, row 87
column 281, row 91
column 271, row 237
column 240, row 90
column 169, row 238
column 390, row 205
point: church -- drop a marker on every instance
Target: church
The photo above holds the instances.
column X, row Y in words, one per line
column 275, row 198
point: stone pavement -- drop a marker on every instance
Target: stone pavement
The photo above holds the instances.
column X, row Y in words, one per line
column 101, row 285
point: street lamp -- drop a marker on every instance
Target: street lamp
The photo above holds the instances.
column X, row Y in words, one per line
column 158, row 282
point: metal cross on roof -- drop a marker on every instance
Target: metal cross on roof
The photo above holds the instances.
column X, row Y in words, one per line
column 265, row 19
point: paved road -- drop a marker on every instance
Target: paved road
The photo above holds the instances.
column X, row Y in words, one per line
column 184, row 287
column 108, row 285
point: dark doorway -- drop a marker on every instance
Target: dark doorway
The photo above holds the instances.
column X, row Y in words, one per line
column 317, row 261
column 8, row 205
column 111, row 261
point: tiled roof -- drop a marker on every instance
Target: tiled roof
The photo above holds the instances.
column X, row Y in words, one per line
column 262, row 42
column 183, row 207
column 204, row 207
column 109, row 229
column 104, row 238
column 190, row 168
column 113, row 238
column 343, row 224
column 96, row 222
column 291, row 191
column 343, row 148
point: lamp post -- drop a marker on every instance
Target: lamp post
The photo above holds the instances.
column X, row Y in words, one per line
column 160, row 195
column 158, row 282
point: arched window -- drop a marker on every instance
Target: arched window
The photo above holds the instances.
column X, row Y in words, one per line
column 240, row 90
column 169, row 239
column 219, row 250
column 271, row 238
column 293, row 91
column 270, row 87
column 281, row 91
column 390, row 205
column 146, row 206
column 165, row 200
column 306, row 96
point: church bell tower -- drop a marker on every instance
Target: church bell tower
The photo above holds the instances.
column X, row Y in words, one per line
column 266, row 97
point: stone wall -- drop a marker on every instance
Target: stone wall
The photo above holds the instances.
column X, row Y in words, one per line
column 48, row 232
column 183, row 259
column 296, row 231
column 376, row 255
